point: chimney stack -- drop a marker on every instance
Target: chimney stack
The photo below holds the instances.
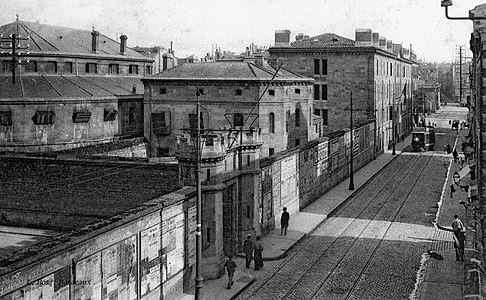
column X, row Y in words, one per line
column 95, row 41
column 364, row 37
column 376, row 39
column 123, row 44
column 259, row 60
column 389, row 46
column 282, row 38
column 382, row 42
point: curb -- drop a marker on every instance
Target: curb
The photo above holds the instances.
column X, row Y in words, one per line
column 331, row 213
column 244, row 288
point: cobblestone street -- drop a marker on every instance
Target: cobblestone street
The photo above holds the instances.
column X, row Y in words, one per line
column 372, row 247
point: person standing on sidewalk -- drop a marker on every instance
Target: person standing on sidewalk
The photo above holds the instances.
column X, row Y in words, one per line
column 284, row 221
column 248, row 250
column 455, row 155
column 230, row 266
column 459, row 238
column 257, row 252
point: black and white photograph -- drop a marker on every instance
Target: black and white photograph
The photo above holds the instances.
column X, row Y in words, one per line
column 242, row 150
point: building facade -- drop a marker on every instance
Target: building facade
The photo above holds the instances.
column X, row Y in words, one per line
column 375, row 70
column 234, row 96
column 73, row 88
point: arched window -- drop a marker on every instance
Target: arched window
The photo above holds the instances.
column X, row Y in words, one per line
column 271, row 122
column 297, row 117
column 238, row 119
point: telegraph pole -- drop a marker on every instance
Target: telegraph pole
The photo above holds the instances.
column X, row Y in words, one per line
column 199, row 278
column 14, row 47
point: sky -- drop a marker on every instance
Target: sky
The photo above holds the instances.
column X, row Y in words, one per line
column 196, row 26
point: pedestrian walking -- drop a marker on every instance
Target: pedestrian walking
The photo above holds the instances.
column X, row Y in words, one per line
column 455, row 155
column 248, row 249
column 459, row 238
column 230, row 266
column 284, row 221
column 453, row 189
column 257, row 252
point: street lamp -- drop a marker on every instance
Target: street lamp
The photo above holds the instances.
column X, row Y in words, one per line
column 198, row 277
column 351, row 180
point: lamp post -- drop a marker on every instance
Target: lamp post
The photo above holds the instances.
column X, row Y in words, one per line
column 198, row 277
column 351, row 179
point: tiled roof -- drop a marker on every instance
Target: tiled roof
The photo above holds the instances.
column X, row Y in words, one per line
column 80, row 192
column 62, row 86
column 323, row 41
column 49, row 38
column 222, row 70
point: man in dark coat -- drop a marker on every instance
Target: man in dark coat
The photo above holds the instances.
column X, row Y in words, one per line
column 284, row 221
column 248, row 249
column 258, row 249
column 230, row 266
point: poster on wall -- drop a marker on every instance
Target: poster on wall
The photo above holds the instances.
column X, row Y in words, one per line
column 88, row 271
column 191, row 229
column 150, row 260
column 119, row 270
column 52, row 287
column 277, row 199
column 172, row 242
column 321, row 159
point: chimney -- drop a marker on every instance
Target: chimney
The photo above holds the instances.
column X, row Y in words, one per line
column 382, row 43
column 376, row 39
column 259, row 60
column 299, row 37
column 282, row 38
column 123, row 44
column 95, row 41
column 389, row 46
column 363, row 37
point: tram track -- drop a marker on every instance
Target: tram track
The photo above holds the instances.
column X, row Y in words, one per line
column 303, row 288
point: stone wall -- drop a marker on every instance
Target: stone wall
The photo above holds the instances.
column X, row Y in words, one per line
column 146, row 253
column 296, row 178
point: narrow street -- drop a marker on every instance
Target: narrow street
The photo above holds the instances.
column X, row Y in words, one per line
column 372, row 247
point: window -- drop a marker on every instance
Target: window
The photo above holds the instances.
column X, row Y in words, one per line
column 31, row 66
column 131, row 114
column 317, row 67
column 81, row 116
column 324, row 92
column 297, row 142
column 50, row 67
column 324, row 67
column 149, row 70
column 377, row 68
column 404, row 71
column 44, row 118
column 271, row 151
column 5, row 118
column 391, row 69
column 162, row 152
column 324, row 117
column 193, row 121
column 316, row 92
column 237, row 119
column 248, row 212
column 297, row 117
column 297, row 91
column 113, row 69
column 271, row 122
column 68, row 67
column 161, row 123
column 391, row 113
column 238, row 92
column 6, row 66
column 132, row 69
column 91, row 68
column 271, row 92
column 209, row 141
column 287, row 120
column 163, row 90
column 248, row 160
column 208, row 175
column 110, row 115
column 317, row 112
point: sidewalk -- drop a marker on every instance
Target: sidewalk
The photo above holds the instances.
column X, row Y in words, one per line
column 302, row 223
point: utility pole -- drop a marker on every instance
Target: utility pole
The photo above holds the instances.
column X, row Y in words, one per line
column 460, row 74
column 198, row 277
column 12, row 43
column 351, row 180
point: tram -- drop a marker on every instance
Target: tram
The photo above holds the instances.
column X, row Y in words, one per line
column 423, row 138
